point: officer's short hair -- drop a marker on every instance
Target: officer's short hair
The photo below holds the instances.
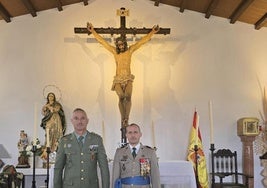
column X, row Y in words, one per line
column 133, row 125
column 79, row 110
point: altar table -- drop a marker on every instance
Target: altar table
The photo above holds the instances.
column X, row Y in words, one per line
column 40, row 176
column 177, row 174
column 173, row 174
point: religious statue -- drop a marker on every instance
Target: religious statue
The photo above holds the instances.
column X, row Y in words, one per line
column 23, row 158
column 123, row 80
column 53, row 122
column 23, row 141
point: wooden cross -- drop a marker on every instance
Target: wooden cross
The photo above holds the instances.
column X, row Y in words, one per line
column 122, row 30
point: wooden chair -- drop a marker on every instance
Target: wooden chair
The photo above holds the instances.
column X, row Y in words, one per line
column 225, row 171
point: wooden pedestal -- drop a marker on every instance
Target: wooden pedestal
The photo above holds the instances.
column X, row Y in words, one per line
column 248, row 157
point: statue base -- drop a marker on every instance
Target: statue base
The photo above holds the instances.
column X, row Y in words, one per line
column 23, row 166
column 23, row 162
column 45, row 165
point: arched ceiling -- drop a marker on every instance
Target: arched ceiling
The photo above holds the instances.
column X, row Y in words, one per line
column 252, row 12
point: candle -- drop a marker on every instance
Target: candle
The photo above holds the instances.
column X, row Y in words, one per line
column 153, row 134
column 35, row 124
column 197, row 124
column 211, row 123
column 103, row 132
column 47, row 138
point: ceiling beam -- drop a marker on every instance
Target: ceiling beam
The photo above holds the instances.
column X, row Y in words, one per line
column 4, row 13
column 28, row 4
column 213, row 4
column 261, row 22
column 157, row 3
column 59, row 5
column 182, row 6
column 85, row 2
column 239, row 10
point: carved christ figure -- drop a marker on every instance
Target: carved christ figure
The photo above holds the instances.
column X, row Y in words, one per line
column 123, row 80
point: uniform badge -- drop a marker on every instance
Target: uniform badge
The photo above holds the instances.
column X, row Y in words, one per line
column 123, row 167
column 144, row 166
column 124, row 158
column 92, row 156
column 67, row 145
column 93, row 150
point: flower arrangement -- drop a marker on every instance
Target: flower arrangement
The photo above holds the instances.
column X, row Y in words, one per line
column 26, row 150
column 39, row 148
column 261, row 139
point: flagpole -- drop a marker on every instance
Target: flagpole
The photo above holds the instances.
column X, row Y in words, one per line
column 196, row 163
column 196, row 150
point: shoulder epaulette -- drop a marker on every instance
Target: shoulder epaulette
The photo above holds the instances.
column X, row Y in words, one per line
column 65, row 137
column 123, row 146
column 93, row 133
column 149, row 147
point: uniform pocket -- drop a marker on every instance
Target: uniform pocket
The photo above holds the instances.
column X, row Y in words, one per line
column 125, row 166
column 68, row 183
column 70, row 155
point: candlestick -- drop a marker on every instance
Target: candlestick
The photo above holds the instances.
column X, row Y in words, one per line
column 103, row 132
column 47, row 138
column 197, row 124
column 153, row 134
column 35, row 124
column 211, row 123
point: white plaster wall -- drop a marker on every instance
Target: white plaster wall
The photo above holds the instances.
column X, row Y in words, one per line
column 201, row 60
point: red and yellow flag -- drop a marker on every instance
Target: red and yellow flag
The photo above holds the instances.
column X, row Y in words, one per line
column 195, row 139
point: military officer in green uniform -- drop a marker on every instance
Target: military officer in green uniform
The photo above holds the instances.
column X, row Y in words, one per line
column 78, row 155
column 135, row 165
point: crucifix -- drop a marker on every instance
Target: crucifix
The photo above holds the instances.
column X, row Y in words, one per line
column 122, row 30
column 123, row 79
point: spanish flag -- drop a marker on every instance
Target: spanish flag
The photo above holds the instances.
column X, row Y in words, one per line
column 195, row 139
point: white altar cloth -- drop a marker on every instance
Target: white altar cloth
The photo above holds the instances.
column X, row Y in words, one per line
column 40, row 176
column 177, row 174
column 173, row 174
